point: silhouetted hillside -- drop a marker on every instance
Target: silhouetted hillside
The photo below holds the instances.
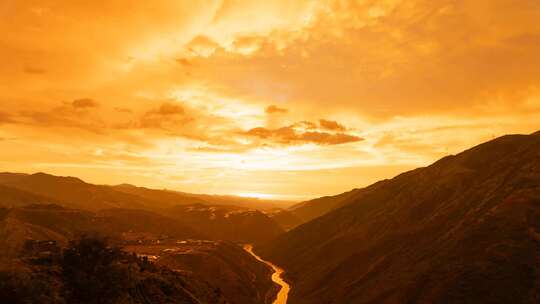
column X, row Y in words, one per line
column 90, row 271
column 53, row 222
column 309, row 210
column 241, row 278
column 286, row 219
column 168, row 198
column 11, row 197
column 214, row 221
column 227, row 222
column 73, row 192
column 463, row 230
column 161, row 198
column 6, row 177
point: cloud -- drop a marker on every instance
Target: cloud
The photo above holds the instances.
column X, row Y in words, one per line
column 380, row 59
column 331, row 125
column 83, row 103
column 324, row 138
column 302, row 133
column 273, row 109
column 247, row 44
column 168, row 116
column 6, row 118
column 202, row 46
column 307, row 125
column 169, row 109
column 63, row 118
column 184, row 61
column 7, row 138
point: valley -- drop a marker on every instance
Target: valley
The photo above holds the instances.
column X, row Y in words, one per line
column 239, row 277
column 277, row 277
column 41, row 215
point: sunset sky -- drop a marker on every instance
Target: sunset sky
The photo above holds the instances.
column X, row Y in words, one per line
column 279, row 99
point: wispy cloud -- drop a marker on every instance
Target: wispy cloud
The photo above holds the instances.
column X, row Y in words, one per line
column 83, row 103
column 259, row 92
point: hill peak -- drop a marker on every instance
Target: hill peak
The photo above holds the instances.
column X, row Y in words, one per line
column 42, row 175
column 125, row 185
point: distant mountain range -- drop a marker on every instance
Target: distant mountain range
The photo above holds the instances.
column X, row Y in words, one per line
column 172, row 198
column 216, row 217
column 74, row 192
column 463, row 230
column 54, row 222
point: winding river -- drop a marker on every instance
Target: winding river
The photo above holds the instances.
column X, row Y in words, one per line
column 276, row 277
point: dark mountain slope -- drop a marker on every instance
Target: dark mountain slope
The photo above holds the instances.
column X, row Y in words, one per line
column 463, row 230
column 312, row 209
column 162, row 198
column 141, row 221
column 53, row 222
column 287, row 220
column 73, row 192
column 245, row 202
column 11, row 197
column 241, row 278
column 229, row 223
column 215, row 221
column 169, row 198
column 8, row 176
column 91, row 271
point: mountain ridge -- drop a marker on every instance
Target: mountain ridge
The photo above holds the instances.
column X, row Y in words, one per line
column 469, row 218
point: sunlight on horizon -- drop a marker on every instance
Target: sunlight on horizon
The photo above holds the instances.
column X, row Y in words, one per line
column 260, row 96
column 257, row 195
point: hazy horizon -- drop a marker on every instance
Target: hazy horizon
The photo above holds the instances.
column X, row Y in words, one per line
column 275, row 99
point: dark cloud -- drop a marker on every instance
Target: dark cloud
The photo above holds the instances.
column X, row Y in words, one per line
column 331, row 125
column 295, row 135
column 185, row 62
column 169, row 109
column 325, row 138
column 273, row 109
column 82, row 103
column 66, row 116
column 168, row 116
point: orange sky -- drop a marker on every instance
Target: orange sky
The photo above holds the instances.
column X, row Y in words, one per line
column 288, row 99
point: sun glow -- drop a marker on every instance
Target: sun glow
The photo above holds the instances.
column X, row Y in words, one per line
column 256, row 195
column 296, row 98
